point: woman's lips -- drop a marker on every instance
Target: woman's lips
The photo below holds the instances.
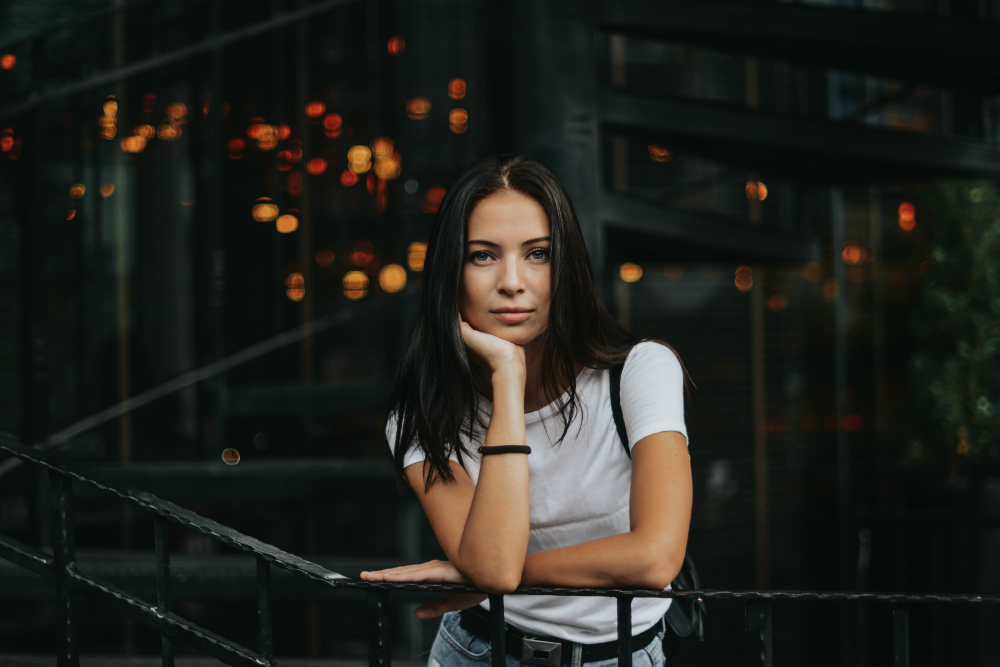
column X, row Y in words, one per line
column 512, row 316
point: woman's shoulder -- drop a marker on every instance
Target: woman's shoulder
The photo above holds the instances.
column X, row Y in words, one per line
column 655, row 353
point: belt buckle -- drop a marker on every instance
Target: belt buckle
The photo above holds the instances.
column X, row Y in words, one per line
column 537, row 652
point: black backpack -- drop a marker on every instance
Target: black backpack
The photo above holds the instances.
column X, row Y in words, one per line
column 685, row 618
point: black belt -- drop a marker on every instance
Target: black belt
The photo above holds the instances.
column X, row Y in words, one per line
column 550, row 651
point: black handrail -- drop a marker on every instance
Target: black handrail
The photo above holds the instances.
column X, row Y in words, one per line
column 70, row 581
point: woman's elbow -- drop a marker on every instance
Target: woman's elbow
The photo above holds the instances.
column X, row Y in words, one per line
column 659, row 568
column 497, row 581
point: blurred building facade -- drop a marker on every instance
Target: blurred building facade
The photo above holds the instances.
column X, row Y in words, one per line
column 764, row 185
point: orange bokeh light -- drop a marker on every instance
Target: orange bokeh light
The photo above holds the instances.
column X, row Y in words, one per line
column 853, row 253
column 6, row 143
column 295, row 286
column 71, row 214
column 284, row 132
column 7, row 61
column 456, row 89
column 333, row 125
column 416, row 254
column 264, row 210
column 315, row 109
column 744, row 278
column 145, row 131
column 396, row 45
column 286, row 223
column 355, row 285
column 392, row 278
column 458, row 120
column 316, row 166
column 348, row 178
column 133, row 144
column 418, row 107
column 77, row 190
column 107, row 189
column 325, row 257
column 629, row 272
column 659, row 153
column 907, row 217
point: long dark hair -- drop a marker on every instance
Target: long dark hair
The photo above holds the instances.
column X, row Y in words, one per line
column 434, row 399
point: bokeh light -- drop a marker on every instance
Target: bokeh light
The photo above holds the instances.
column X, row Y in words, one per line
column 381, row 147
column 388, row 168
column 325, row 257
column 294, row 183
column 8, row 61
column 812, row 272
column 416, row 253
column 907, row 217
column 777, row 302
column 295, row 286
column 148, row 103
column 230, row 456
column 287, row 223
column 107, row 189
column 177, row 111
column 333, row 125
column 284, row 132
column 111, row 109
column 348, row 178
column 315, row 109
column 659, row 153
column 433, row 199
column 456, row 89
column 77, row 190
column 629, row 272
column 458, row 120
column 359, row 159
column 316, row 166
column 168, row 132
column 71, row 214
column 355, row 285
column 396, row 45
column 852, row 253
column 147, row 132
column 417, row 108
column 362, row 254
column 236, row 148
column 265, row 210
column 392, row 278
column 133, row 144
column 744, row 278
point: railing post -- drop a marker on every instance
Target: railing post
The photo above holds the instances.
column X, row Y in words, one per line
column 64, row 556
column 378, row 628
column 498, row 632
column 163, row 583
column 901, row 634
column 264, row 610
column 624, row 631
column 758, row 633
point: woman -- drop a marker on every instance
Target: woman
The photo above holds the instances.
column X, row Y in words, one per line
column 512, row 347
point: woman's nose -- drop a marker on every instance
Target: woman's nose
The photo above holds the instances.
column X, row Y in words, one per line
column 511, row 281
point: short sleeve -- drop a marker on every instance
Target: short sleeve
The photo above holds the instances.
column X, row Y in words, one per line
column 415, row 454
column 652, row 392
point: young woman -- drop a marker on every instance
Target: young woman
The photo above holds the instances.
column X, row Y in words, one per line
column 512, row 346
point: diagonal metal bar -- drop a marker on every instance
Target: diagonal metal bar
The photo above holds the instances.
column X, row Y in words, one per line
column 215, row 368
column 160, row 61
column 27, row 557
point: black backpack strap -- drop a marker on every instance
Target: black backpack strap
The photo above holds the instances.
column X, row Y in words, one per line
column 616, row 405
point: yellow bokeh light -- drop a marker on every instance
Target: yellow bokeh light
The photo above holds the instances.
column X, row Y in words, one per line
column 418, row 107
column 355, row 285
column 287, row 223
column 264, row 210
column 359, row 153
column 107, row 189
column 629, row 272
column 381, row 147
column 392, row 278
column 110, row 108
column 295, row 286
column 77, row 190
column 387, row 169
column 459, row 120
column 415, row 256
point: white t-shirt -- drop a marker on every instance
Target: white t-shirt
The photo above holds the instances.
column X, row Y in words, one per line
column 579, row 488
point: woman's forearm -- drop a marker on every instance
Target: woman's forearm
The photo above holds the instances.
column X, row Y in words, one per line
column 495, row 537
column 628, row 560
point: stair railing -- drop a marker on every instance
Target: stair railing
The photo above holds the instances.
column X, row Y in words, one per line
column 71, row 582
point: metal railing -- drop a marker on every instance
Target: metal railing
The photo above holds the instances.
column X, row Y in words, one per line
column 71, row 582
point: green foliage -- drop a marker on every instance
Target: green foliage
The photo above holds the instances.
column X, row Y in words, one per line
column 956, row 363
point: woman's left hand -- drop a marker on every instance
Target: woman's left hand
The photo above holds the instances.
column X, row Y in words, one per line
column 435, row 571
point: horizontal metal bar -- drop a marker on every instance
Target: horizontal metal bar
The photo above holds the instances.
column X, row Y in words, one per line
column 170, row 624
column 27, row 557
column 743, row 242
column 223, row 365
column 800, row 145
column 922, row 49
column 172, row 512
column 157, row 62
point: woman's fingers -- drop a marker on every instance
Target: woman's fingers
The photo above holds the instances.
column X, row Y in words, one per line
column 440, row 571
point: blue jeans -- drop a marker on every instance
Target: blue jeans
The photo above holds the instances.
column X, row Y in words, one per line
column 455, row 647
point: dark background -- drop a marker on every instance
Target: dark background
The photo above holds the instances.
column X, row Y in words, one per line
column 842, row 422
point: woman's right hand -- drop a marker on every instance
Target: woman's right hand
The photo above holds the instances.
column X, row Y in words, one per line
column 499, row 355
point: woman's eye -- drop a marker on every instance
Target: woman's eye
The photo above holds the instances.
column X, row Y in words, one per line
column 539, row 253
column 480, row 256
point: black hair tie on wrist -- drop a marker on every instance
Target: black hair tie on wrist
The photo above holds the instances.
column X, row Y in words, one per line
column 505, row 449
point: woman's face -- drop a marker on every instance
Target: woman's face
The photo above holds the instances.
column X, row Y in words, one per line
column 506, row 286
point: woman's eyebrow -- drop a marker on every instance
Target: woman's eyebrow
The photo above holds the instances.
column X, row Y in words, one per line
column 491, row 244
column 538, row 240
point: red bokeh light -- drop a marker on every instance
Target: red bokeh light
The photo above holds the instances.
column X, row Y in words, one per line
column 316, row 166
column 348, row 178
column 396, row 45
column 315, row 109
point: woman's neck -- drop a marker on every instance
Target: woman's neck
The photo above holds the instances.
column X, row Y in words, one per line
column 535, row 394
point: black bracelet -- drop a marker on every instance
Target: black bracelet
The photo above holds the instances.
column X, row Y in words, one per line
column 505, row 449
